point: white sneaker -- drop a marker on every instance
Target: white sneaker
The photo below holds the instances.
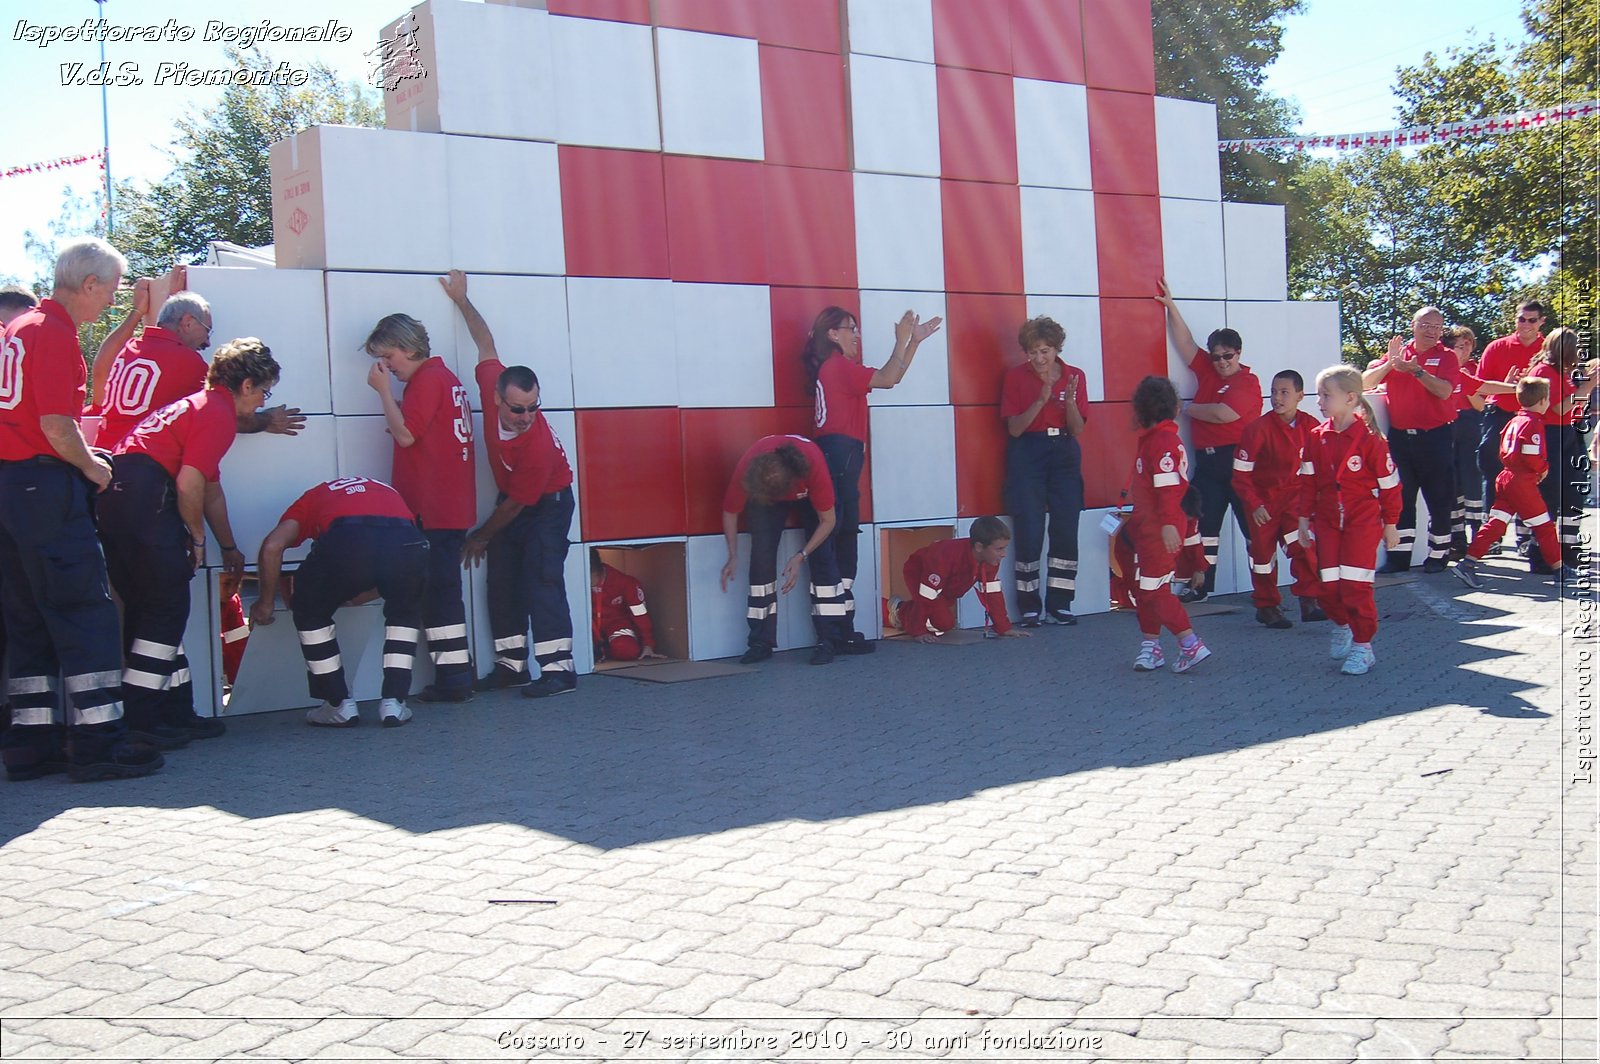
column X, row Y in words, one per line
column 392, row 713
column 1360, row 661
column 328, row 715
column 1150, row 658
column 1340, row 642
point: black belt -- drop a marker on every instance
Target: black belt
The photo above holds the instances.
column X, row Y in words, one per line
column 38, row 459
column 1219, row 450
column 1423, row 432
column 372, row 521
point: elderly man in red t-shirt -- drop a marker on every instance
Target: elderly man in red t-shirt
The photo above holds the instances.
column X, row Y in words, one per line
column 1227, row 398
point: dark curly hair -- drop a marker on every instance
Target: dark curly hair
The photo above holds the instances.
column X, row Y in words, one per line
column 771, row 476
column 1155, row 400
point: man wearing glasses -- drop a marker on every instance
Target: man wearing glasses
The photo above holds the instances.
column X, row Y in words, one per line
column 1421, row 379
column 525, row 537
column 1506, row 359
column 160, row 366
column 1227, row 398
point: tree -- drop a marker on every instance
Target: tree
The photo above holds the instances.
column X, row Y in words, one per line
column 1219, row 53
column 220, row 187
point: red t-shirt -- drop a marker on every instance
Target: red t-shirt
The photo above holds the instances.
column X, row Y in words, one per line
column 1506, row 359
column 817, row 486
column 526, row 467
column 1522, row 446
column 346, row 497
column 195, row 431
column 153, row 371
column 842, row 387
column 435, row 474
column 1240, row 393
column 1561, row 390
column 1020, row 387
column 1468, row 385
column 1411, row 405
column 41, row 374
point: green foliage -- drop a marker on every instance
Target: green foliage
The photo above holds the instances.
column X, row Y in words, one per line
column 79, row 217
column 220, row 184
column 1219, row 53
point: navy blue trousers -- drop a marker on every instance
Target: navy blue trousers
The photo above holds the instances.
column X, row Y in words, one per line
column 528, row 587
column 1044, row 488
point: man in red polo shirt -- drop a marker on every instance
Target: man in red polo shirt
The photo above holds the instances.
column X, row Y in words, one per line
column 60, row 619
column 1506, row 359
column 525, row 537
column 1227, row 398
column 1421, row 379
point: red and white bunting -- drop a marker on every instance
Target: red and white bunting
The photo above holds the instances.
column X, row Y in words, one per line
column 54, row 164
column 1417, row 136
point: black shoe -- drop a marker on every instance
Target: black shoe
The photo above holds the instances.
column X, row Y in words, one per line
column 754, row 653
column 1059, row 617
column 1394, row 567
column 1189, row 595
column 1525, row 547
column 91, row 762
column 1434, row 565
column 434, row 693
column 822, row 653
column 1539, row 567
column 1273, row 617
column 857, row 644
column 197, row 727
column 34, row 750
column 1311, row 611
column 501, row 678
column 160, row 736
column 551, row 684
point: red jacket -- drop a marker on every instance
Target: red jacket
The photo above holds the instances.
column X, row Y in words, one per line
column 1268, row 462
column 947, row 569
column 1349, row 477
column 1522, row 446
column 619, row 604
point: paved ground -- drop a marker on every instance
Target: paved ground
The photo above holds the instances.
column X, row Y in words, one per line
column 1019, row 850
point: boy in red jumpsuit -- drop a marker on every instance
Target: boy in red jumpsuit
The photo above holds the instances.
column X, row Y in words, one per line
column 1266, row 475
column 942, row 572
column 1352, row 500
column 1516, row 489
column 622, row 629
column 1160, row 480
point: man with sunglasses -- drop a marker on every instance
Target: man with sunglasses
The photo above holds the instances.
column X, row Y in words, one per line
column 162, row 365
column 1506, row 359
column 525, row 537
column 1421, row 379
column 1227, row 398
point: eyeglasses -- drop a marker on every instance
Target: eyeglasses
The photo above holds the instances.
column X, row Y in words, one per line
column 1429, row 326
column 1223, row 356
column 266, row 393
column 529, row 409
column 1523, row 319
column 848, row 328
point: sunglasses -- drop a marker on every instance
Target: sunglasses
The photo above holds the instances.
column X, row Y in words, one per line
column 1525, row 320
column 529, row 409
column 1223, row 356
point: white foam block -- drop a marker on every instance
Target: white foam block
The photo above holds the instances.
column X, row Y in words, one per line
column 868, row 616
column 1059, row 254
column 728, row 330
column 605, row 83
column 272, row 673
column 1202, row 316
column 1080, row 317
column 927, row 382
column 902, row 29
column 528, row 316
column 284, row 309
column 356, row 303
column 894, row 107
column 488, row 73
column 505, row 206
column 615, row 366
column 363, row 447
column 263, row 473
column 1264, row 328
column 1094, row 564
column 1187, row 163
column 202, row 642
column 899, row 233
column 913, row 463
column 1052, row 134
column 795, row 627
column 717, row 624
column 710, row 94
column 349, row 198
column 1313, row 340
column 1191, row 248
column 1256, row 252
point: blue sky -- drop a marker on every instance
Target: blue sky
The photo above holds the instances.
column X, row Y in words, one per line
column 1339, row 63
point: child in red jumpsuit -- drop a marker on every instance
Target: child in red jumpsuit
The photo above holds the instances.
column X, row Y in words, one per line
column 1350, row 502
column 622, row 630
column 942, row 572
column 1266, row 476
column 1524, row 465
column 1160, row 478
